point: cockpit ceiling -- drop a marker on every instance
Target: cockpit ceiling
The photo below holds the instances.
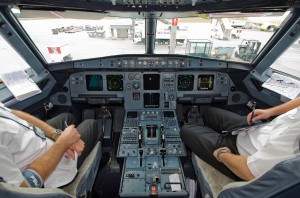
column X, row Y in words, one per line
column 201, row 6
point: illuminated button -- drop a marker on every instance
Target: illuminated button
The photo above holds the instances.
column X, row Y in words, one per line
column 136, row 85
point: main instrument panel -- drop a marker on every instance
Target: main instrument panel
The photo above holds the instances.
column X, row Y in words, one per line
column 151, row 82
column 150, row 89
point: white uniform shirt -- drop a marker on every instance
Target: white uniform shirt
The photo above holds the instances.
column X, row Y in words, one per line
column 272, row 143
column 20, row 146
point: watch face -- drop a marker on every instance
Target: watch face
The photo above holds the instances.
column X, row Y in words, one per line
column 57, row 131
column 224, row 150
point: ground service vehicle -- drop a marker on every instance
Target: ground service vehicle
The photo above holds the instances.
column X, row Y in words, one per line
column 248, row 49
column 144, row 93
column 199, row 48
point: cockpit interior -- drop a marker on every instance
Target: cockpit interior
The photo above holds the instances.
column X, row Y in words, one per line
column 146, row 68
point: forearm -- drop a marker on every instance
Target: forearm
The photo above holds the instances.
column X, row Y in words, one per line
column 285, row 107
column 48, row 130
column 45, row 164
column 237, row 164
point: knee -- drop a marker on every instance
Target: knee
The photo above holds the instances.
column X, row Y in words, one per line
column 67, row 115
column 184, row 129
column 94, row 125
column 187, row 129
column 211, row 111
column 183, row 132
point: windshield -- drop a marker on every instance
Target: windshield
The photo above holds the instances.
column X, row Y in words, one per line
column 229, row 36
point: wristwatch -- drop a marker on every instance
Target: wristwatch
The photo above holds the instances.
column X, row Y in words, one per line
column 56, row 133
column 222, row 150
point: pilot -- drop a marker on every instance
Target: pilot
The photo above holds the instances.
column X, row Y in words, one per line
column 228, row 142
column 34, row 153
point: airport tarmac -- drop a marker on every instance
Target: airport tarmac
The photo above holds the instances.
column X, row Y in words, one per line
column 82, row 46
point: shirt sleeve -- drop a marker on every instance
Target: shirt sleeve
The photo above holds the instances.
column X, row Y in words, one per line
column 265, row 159
column 3, row 107
column 8, row 169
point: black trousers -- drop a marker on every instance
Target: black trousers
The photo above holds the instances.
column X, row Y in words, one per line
column 203, row 140
column 90, row 132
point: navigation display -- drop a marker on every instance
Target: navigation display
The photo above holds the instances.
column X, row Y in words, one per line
column 205, row 82
column 185, row 82
column 151, row 100
column 94, row 82
column 114, row 82
column 151, row 81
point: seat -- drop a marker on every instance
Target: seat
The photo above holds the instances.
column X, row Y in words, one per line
column 81, row 186
column 283, row 180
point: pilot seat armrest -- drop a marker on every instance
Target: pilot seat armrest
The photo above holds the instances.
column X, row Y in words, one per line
column 235, row 184
column 210, row 180
column 283, row 180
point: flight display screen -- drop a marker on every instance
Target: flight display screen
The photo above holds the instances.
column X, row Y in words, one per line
column 151, row 100
column 151, row 81
column 94, row 82
column 205, row 82
column 185, row 82
column 114, row 82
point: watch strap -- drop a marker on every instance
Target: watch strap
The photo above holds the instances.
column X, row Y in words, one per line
column 222, row 150
column 55, row 133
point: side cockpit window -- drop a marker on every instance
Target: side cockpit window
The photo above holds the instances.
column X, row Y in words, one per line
column 289, row 61
column 10, row 60
column 13, row 74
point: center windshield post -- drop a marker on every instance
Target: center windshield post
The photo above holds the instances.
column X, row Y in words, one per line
column 150, row 35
